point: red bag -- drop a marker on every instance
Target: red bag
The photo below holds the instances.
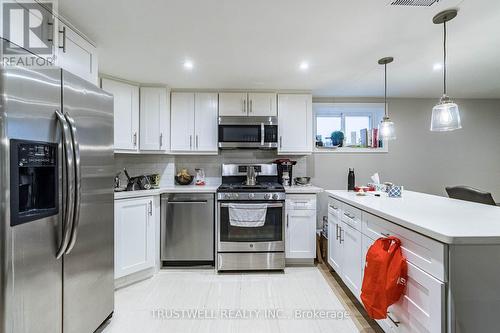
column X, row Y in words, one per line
column 384, row 280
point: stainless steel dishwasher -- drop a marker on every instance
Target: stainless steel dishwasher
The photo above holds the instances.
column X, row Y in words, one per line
column 187, row 229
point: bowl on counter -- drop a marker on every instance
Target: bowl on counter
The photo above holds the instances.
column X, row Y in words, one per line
column 302, row 181
column 184, row 180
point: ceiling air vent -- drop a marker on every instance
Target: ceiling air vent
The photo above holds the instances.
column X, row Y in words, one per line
column 415, row 3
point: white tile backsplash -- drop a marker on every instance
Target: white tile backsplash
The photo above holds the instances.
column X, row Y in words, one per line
column 168, row 165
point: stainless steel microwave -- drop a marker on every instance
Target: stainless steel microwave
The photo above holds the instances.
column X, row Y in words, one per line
column 248, row 132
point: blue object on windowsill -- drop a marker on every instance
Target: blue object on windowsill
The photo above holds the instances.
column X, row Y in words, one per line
column 337, row 138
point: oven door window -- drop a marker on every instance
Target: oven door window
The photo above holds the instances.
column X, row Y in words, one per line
column 271, row 231
column 239, row 133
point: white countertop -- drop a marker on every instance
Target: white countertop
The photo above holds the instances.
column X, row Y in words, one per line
column 309, row 189
column 447, row 220
column 208, row 188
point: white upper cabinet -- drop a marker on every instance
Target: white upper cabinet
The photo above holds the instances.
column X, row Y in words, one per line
column 247, row 104
column 126, row 114
column 155, row 119
column 262, row 104
column 205, row 122
column 194, row 123
column 295, row 124
column 76, row 54
column 182, row 117
column 233, row 104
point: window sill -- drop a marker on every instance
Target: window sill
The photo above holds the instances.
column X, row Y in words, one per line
column 350, row 150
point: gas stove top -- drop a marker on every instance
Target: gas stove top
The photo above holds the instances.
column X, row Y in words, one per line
column 259, row 187
column 233, row 186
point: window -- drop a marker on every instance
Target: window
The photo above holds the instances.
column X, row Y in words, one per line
column 354, row 120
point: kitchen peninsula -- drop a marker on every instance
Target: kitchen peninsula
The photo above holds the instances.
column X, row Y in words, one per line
column 452, row 248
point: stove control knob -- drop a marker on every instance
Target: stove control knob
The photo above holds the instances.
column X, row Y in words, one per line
column 227, row 196
column 275, row 196
column 267, row 196
column 236, row 195
column 251, row 195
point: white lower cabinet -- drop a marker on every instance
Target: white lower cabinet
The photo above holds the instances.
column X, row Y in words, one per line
column 350, row 240
column 300, row 237
column 334, row 246
column 134, row 235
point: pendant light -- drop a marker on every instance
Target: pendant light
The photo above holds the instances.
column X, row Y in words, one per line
column 445, row 114
column 386, row 129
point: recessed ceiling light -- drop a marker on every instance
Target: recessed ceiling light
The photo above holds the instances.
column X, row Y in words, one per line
column 304, row 65
column 437, row 67
column 188, row 64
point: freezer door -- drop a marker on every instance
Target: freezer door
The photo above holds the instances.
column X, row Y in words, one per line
column 30, row 274
column 88, row 297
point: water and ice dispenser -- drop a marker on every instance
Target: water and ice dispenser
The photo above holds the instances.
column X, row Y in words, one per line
column 33, row 181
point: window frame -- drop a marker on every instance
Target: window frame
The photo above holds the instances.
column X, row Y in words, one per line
column 375, row 115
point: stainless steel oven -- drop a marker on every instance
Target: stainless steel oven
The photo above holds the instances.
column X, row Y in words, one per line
column 248, row 132
column 269, row 237
column 250, row 246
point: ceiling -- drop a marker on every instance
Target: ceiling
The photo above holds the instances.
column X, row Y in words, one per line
column 259, row 44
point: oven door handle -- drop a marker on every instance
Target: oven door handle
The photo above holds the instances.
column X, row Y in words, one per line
column 272, row 205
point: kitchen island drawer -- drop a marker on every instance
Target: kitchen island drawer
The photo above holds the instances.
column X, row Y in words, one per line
column 351, row 216
column 421, row 308
column 425, row 253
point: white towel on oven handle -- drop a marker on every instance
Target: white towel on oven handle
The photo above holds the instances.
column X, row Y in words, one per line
column 247, row 215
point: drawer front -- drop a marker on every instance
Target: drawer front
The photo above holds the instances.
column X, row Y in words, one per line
column 351, row 216
column 421, row 309
column 423, row 252
column 301, row 202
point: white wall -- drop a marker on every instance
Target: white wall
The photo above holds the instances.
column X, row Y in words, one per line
column 422, row 160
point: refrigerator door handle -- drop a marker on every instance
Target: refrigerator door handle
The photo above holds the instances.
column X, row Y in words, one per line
column 69, row 182
column 78, row 182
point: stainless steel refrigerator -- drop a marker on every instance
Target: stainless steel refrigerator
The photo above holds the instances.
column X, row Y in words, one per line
column 56, row 202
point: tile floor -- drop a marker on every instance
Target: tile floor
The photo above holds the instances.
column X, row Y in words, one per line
column 168, row 301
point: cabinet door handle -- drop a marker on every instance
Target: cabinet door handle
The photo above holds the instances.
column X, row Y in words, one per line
column 341, row 239
column 244, row 106
column 281, row 142
column 161, row 140
column 196, row 141
column 50, row 31
column 251, row 107
column 150, row 208
column 395, row 322
column 287, row 221
column 336, row 231
column 63, row 32
column 190, row 142
column 135, row 139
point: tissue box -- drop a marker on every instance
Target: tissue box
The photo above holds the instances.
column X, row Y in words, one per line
column 395, row 191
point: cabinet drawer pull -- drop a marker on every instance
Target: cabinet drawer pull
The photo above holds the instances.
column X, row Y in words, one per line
column 386, row 234
column 63, row 32
column 349, row 215
column 333, row 207
column 395, row 322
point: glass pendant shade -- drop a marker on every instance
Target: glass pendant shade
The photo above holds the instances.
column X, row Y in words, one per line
column 386, row 130
column 445, row 116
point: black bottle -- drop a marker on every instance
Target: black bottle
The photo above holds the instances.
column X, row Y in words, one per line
column 350, row 180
